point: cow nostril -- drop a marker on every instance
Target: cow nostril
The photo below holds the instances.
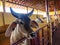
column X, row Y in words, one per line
column 13, row 29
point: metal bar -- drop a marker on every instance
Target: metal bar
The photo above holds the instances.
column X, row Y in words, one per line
column 47, row 11
column 49, row 30
column 55, row 7
column 42, row 36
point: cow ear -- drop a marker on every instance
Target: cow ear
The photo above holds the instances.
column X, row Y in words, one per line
column 10, row 28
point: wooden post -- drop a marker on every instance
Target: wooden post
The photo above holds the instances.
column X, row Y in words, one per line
column 49, row 30
column 27, row 9
column 42, row 36
column 37, row 14
column 55, row 10
column 3, row 12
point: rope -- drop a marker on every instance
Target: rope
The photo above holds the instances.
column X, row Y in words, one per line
column 19, row 41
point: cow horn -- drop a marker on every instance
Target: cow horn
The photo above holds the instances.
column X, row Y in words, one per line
column 17, row 15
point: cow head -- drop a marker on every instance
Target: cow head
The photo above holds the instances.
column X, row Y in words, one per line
column 24, row 19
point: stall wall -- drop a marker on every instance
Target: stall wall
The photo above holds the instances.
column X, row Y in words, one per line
column 1, row 20
column 8, row 18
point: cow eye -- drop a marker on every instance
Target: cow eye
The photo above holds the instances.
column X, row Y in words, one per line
column 21, row 22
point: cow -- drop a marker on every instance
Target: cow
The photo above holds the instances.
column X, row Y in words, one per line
column 21, row 27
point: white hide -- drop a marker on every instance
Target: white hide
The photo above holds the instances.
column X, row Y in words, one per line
column 18, row 34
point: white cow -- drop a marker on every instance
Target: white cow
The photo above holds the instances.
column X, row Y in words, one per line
column 21, row 27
